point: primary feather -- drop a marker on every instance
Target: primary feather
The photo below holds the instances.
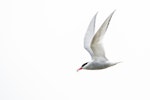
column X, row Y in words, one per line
column 89, row 36
column 96, row 44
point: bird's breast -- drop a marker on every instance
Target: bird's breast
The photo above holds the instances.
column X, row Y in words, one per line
column 97, row 65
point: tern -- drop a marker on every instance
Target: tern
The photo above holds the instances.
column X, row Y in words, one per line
column 93, row 44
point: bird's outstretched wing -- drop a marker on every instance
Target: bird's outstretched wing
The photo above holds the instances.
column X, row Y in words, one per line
column 89, row 36
column 96, row 44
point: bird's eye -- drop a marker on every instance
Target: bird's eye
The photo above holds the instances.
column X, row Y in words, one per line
column 84, row 64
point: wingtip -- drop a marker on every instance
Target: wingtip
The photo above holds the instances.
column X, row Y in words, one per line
column 96, row 13
column 113, row 12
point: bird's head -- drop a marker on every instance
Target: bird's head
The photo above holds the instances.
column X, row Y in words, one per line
column 82, row 67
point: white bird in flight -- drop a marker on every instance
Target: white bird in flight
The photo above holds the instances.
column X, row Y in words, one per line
column 93, row 44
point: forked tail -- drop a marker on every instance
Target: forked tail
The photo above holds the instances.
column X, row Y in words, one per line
column 116, row 63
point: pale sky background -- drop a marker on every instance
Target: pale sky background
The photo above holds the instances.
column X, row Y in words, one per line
column 41, row 47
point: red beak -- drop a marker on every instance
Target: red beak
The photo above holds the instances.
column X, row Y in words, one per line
column 79, row 69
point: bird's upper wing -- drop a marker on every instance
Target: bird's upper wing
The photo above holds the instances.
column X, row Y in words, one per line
column 96, row 44
column 89, row 36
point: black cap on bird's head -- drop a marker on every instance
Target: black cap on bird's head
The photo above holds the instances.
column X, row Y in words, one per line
column 82, row 66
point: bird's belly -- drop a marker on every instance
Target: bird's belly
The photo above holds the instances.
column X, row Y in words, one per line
column 96, row 66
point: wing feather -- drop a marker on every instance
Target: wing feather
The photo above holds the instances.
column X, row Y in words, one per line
column 89, row 36
column 96, row 44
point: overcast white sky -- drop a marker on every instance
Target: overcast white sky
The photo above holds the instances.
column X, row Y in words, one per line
column 41, row 46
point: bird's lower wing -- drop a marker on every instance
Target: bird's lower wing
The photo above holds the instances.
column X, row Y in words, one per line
column 99, row 52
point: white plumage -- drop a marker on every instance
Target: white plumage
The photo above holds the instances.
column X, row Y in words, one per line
column 93, row 44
